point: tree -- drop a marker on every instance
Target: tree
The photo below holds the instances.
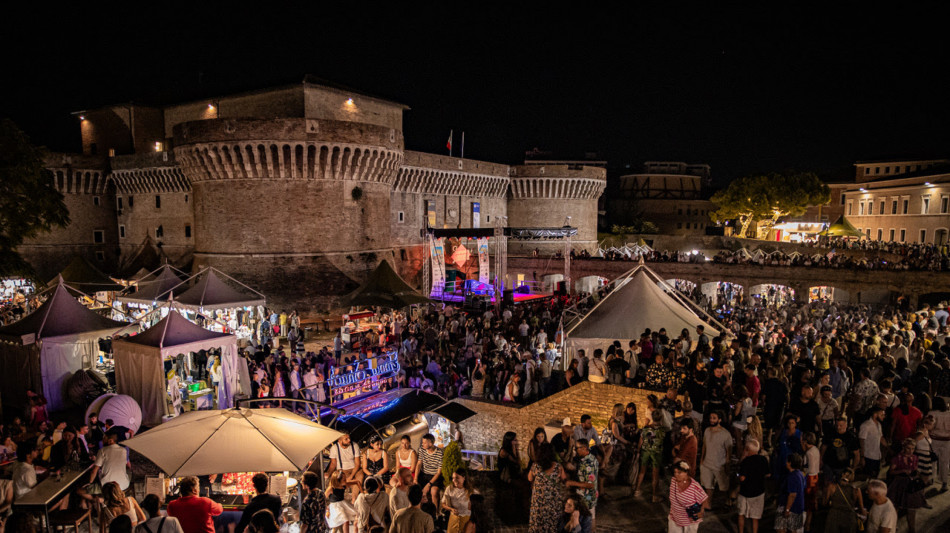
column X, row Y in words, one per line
column 29, row 205
column 769, row 197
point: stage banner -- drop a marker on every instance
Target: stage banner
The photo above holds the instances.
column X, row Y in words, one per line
column 437, row 253
column 476, row 215
column 483, row 260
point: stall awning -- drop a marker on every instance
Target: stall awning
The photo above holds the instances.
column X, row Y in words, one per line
column 455, row 412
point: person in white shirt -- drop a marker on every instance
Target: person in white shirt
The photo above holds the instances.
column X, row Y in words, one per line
column 24, row 474
column 345, row 455
column 871, row 437
column 156, row 523
column 111, row 463
column 883, row 515
column 597, row 370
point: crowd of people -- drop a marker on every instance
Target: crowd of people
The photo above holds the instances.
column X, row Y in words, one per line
column 862, row 254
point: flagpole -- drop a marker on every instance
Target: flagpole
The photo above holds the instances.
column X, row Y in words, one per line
column 463, row 145
column 450, row 142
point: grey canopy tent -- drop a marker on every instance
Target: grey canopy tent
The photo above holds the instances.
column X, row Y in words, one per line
column 637, row 302
column 82, row 275
column 164, row 283
column 211, row 292
column 41, row 351
column 384, row 288
column 139, row 363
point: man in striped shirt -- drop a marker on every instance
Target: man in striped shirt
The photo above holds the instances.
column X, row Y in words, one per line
column 429, row 469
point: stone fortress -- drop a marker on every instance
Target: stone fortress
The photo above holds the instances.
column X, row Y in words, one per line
column 298, row 191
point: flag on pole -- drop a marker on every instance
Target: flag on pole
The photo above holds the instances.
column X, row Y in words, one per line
column 449, row 143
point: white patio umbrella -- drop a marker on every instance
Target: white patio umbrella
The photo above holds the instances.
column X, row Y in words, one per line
column 233, row 440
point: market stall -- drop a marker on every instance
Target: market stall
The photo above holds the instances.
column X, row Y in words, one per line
column 141, row 366
column 218, row 306
column 41, row 351
column 273, row 441
column 357, row 326
column 149, row 294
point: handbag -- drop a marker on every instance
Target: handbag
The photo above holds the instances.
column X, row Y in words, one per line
column 847, row 501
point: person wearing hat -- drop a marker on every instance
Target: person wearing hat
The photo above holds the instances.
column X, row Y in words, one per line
column 563, row 442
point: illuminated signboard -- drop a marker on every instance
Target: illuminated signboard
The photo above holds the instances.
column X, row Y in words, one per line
column 363, row 381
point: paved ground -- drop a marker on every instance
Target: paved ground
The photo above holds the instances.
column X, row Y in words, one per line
column 621, row 512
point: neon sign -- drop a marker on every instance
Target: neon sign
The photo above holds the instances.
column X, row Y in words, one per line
column 363, row 381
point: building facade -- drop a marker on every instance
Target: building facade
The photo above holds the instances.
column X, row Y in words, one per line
column 901, row 201
column 298, row 191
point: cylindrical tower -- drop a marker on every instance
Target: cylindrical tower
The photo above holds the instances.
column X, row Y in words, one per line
column 545, row 195
column 298, row 208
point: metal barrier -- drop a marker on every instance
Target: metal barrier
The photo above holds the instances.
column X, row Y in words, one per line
column 480, row 460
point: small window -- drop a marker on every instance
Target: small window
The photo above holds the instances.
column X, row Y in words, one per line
column 850, row 205
column 893, row 208
column 487, row 218
column 100, row 256
column 843, row 196
column 891, row 235
column 903, row 235
column 121, row 231
column 867, row 170
column 98, row 236
column 861, row 208
column 923, row 236
column 870, row 207
column 118, row 202
column 401, row 216
column 880, row 233
column 187, row 231
column 887, row 170
column 158, row 202
column 877, row 170
column 925, row 208
column 868, row 232
column 186, row 198
column 95, row 201
column 882, row 207
column 131, row 203
column 159, row 232
column 904, row 207
column 944, row 204
column 111, row 152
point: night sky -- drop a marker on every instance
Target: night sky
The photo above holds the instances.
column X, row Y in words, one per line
column 744, row 90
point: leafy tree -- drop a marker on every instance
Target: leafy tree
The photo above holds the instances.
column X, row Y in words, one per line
column 29, row 205
column 769, row 197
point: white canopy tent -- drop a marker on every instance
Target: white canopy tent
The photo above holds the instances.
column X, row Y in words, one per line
column 139, row 363
column 44, row 349
column 637, row 302
column 234, row 440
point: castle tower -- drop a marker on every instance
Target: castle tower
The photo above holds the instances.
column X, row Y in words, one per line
column 545, row 195
column 300, row 207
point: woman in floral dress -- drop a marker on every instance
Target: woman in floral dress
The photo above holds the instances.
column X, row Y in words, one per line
column 545, row 477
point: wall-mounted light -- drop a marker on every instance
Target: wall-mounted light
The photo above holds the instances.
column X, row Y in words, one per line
column 927, row 183
column 349, row 101
column 862, row 189
column 211, row 107
column 82, row 117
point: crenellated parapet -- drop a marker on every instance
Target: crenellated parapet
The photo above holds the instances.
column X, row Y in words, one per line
column 287, row 149
column 148, row 173
column 566, row 182
column 78, row 174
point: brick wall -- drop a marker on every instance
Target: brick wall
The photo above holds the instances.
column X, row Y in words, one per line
column 485, row 430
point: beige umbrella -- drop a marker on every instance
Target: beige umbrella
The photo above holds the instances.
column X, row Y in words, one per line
column 233, row 440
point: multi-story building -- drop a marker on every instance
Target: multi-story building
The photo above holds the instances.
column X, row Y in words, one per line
column 298, row 190
column 901, row 201
column 668, row 194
